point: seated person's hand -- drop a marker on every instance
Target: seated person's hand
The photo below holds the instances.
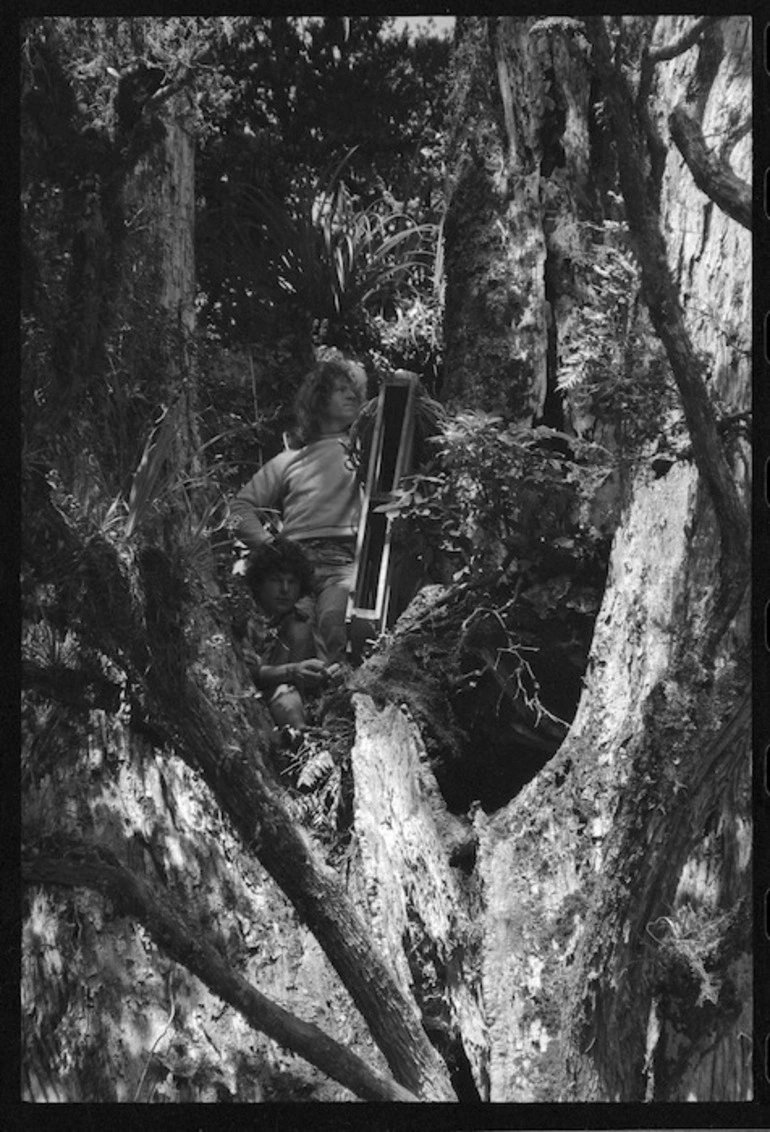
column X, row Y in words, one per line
column 308, row 674
column 336, row 673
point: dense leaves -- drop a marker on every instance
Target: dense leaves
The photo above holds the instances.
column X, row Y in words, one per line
column 301, row 94
column 498, row 498
column 320, row 255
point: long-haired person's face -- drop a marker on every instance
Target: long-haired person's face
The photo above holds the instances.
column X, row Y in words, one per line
column 342, row 406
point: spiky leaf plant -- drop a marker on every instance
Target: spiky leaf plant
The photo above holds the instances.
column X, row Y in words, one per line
column 320, row 252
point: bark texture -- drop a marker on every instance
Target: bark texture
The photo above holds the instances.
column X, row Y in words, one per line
column 495, row 320
column 616, row 947
column 714, row 177
column 422, row 913
column 81, row 866
column 588, row 940
column 315, row 890
column 660, row 292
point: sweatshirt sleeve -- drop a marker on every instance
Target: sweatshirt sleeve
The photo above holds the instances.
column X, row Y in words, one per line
column 251, row 505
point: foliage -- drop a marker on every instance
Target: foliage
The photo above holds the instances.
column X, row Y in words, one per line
column 691, row 938
column 414, row 339
column 296, row 95
column 501, row 499
column 303, row 91
column 506, row 518
column 611, row 364
column 320, row 253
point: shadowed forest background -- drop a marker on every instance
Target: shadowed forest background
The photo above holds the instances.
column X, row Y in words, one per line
column 510, row 859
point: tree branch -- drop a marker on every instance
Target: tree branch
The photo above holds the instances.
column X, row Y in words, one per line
column 82, row 866
column 662, row 299
column 315, row 890
column 148, row 635
column 225, row 750
column 687, row 40
column 713, row 177
column 649, row 59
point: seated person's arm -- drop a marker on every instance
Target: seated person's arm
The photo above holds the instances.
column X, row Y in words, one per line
column 304, row 674
column 259, row 496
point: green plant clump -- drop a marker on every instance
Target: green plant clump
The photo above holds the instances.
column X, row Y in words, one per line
column 503, row 500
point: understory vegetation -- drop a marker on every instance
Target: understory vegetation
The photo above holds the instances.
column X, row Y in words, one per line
column 207, row 206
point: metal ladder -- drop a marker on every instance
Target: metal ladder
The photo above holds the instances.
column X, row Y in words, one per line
column 371, row 607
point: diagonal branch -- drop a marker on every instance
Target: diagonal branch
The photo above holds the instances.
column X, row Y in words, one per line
column 147, row 631
column 315, row 890
column 650, row 57
column 713, row 176
column 686, row 40
column 82, row 866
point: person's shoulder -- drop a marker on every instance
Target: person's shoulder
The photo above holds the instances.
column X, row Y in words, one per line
column 278, row 464
column 323, row 445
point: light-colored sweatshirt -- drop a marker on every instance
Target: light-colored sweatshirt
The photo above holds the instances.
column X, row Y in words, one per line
column 313, row 489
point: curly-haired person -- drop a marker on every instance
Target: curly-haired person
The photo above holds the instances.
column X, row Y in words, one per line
column 314, row 490
column 280, row 646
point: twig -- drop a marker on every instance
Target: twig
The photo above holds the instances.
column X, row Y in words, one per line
column 162, row 1034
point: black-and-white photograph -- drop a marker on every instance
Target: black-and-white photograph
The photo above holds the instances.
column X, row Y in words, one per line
column 386, row 642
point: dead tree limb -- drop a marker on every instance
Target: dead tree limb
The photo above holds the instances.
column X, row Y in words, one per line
column 649, row 58
column 148, row 634
column 91, row 867
column 685, row 41
column 315, row 890
column 713, row 176
column 661, row 297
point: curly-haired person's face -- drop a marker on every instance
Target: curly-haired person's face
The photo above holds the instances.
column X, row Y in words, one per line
column 278, row 593
column 342, row 407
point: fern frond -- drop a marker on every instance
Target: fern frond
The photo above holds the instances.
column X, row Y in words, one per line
column 318, row 766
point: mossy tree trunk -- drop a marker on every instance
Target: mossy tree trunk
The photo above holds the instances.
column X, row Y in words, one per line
column 126, row 610
column 616, row 945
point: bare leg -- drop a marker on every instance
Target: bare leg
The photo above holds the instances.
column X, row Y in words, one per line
column 331, row 606
column 286, row 707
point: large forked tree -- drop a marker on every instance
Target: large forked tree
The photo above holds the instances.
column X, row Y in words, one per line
column 582, row 938
column 617, row 883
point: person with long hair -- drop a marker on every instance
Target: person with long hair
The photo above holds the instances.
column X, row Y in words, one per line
column 313, row 492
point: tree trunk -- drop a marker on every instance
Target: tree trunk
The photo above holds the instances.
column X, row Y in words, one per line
column 587, row 940
column 616, row 960
column 422, row 913
column 141, row 573
column 132, row 896
column 495, row 316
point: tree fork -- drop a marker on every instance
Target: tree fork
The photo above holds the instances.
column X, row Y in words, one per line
column 240, row 786
column 662, row 300
column 151, row 644
column 315, row 890
column 82, row 866
column 685, row 41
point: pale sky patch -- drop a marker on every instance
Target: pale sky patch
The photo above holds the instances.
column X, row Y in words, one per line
column 442, row 26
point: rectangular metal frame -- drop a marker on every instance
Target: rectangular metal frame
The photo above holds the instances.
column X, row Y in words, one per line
column 390, row 458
